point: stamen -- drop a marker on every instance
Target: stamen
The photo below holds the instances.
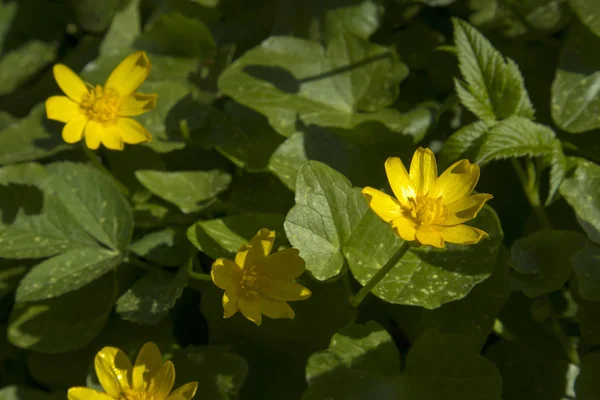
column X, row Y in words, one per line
column 101, row 105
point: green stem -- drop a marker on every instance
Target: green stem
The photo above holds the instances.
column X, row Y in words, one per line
column 197, row 275
column 375, row 279
column 532, row 194
column 89, row 153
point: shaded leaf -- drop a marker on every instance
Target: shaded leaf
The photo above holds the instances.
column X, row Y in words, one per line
column 23, row 63
column 587, row 386
column 585, row 264
column 168, row 247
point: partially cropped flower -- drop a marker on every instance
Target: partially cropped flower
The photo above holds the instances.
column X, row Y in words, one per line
column 148, row 379
column 101, row 113
column 429, row 209
column 258, row 283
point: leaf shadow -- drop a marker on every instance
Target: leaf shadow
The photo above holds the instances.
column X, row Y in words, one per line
column 16, row 197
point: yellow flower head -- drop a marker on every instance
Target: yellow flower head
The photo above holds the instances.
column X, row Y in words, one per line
column 148, row 379
column 430, row 209
column 258, row 283
column 101, row 113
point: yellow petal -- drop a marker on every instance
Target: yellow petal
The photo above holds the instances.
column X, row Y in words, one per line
column 73, row 130
column 162, row 382
column 136, row 104
column 111, row 137
column 185, row 392
column 262, row 243
column 386, row 207
column 465, row 209
column 250, row 308
column 226, row 274
column 113, row 368
column 61, row 108
column 147, row 363
column 93, row 134
column 285, row 290
column 132, row 132
column 405, row 228
column 430, row 235
column 130, row 73
column 276, row 309
column 423, row 170
column 69, row 82
column 83, row 393
column 230, row 303
column 285, row 264
column 243, row 258
column 399, row 180
column 457, row 181
column 463, row 234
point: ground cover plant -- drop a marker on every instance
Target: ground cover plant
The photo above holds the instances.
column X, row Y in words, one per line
column 316, row 199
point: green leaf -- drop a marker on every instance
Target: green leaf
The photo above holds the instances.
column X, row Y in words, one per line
column 11, row 272
column 124, row 29
column 581, row 189
column 223, row 237
column 465, row 143
column 64, row 323
column 361, row 19
column 219, row 372
column 493, row 88
column 65, row 273
column 151, row 297
column 95, row 202
column 441, row 364
column 542, row 260
column 588, row 317
column 168, row 247
column 587, row 386
column 585, row 264
column 23, row 63
column 95, row 16
column 588, row 12
column 14, row 392
column 359, row 363
column 348, row 83
column 575, row 99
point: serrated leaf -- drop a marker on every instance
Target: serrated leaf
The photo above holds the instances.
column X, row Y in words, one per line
column 493, row 88
column 65, row 273
column 464, row 144
column 23, row 63
column 285, row 78
column 543, row 260
column 151, row 297
column 585, row 264
column 167, row 247
column 189, row 190
column 440, row 364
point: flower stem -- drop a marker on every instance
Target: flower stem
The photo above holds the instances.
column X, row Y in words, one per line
column 375, row 279
column 197, row 275
column 89, row 153
column 532, row 194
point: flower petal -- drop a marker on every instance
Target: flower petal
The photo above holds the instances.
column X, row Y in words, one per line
column 83, row 393
column 111, row 137
column 423, row 170
column 113, row 369
column 147, row 363
column 93, row 134
column 250, row 308
column 276, row 309
column 285, row 264
column 262, row 243
column 61, row 108
column 132, row 132
column 72, row 132
column 185, row 392
column 243, row 258
column 399, row 180
column 385, row 206
column 405, row 228
column 230, row 303
column 463, row 234
column 430, row 235
column 162, row 382
column 226, row 274
column 285, row 290
column 130, row 73
column 465, row 209
column 136, row 104
column 457, row 181
column 69, row 82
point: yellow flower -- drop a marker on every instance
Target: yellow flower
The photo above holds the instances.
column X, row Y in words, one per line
column 148, row 379
column 258, row 283
column 429, row 209
column 100, row 113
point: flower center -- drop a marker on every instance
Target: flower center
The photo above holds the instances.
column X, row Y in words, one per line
column 101, row 105
column 428, row 211
column 252, row 281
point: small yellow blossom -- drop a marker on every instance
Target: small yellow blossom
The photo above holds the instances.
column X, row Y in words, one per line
column 258, row 283
column 148, row 379
column 101, row 113
column 429, row 209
